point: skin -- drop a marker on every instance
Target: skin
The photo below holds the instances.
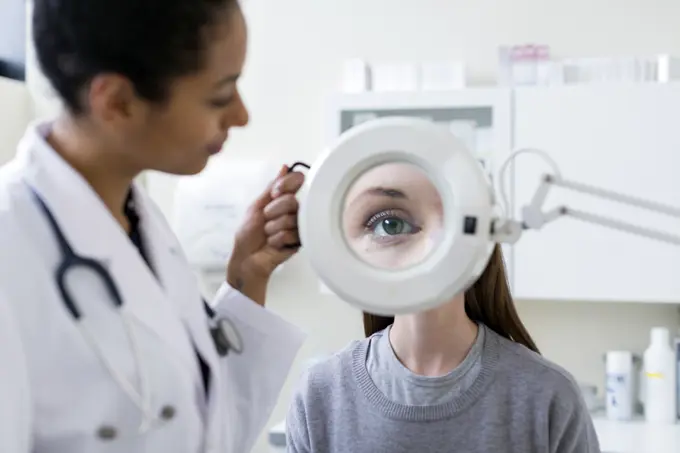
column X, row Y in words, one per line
column 430, row 343
column 120, row 135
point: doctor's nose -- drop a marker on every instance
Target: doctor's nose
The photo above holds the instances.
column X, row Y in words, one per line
column 237, row 115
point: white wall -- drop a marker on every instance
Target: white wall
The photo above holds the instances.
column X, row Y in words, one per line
column 14, row 116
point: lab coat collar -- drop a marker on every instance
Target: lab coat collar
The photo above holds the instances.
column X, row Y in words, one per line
column 93, row 232
column 81, row 214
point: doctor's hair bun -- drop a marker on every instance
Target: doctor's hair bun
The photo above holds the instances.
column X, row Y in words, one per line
column 150, row 42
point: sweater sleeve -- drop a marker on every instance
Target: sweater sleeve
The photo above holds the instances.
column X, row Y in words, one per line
column 297, row 434
column 570, row 424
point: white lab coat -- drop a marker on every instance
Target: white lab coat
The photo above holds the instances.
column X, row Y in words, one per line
column 55, row 395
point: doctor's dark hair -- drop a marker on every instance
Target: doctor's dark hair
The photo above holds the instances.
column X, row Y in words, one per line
column 488, row 301
column 150, row 42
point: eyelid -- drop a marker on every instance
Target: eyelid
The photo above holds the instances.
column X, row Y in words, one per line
column 373, row 218
column 223, row 102
column 387, row 213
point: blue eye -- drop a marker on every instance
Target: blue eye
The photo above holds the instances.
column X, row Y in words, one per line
column 393, row 227
column 387, row 224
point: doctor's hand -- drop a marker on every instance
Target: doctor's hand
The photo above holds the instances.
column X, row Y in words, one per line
column 267, row 237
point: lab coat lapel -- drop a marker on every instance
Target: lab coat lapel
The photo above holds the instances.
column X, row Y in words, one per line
column 93, row 232
column 176, row 278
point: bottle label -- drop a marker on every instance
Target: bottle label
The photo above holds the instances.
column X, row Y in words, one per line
column 619, row 396
column 654, row 375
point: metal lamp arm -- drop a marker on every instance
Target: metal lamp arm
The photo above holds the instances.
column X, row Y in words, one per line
column 533, row 217
column 507, row 230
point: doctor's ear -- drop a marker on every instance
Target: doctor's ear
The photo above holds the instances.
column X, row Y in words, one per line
column 111, row 98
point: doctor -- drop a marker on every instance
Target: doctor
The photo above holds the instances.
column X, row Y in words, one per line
column 105, row 343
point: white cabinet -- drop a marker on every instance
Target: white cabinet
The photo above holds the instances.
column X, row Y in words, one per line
column 620, row 137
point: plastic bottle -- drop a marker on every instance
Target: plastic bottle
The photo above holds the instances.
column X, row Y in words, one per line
column 620, row 392
column 659, row 375
column 523, row 65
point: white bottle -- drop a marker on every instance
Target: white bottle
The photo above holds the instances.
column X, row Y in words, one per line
column 620, row 394
column 659, row 375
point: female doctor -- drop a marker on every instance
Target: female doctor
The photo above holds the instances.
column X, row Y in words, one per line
column 106, row 344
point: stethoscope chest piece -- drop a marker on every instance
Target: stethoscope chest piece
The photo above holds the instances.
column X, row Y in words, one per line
column 226, row 337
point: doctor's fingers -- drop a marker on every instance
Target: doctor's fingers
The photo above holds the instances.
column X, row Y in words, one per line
column 287, row 222
column 283, row 238
column 288, row 184
column 281, row 206
column 266, row 196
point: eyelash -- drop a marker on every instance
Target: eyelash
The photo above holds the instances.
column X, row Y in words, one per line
column 378, row 216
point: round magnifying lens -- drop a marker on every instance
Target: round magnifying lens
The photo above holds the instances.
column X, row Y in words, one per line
column 392, row 216
column 395, row 217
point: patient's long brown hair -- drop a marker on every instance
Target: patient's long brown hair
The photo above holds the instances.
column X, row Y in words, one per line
column 488, row 301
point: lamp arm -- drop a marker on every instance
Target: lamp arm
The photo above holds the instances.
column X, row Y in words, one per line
column 533, row 217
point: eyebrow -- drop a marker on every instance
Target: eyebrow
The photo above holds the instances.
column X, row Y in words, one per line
column 386, row 192
column 380, row 192
column 228, row 79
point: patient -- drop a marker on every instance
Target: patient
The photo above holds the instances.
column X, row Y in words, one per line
column 463, row 377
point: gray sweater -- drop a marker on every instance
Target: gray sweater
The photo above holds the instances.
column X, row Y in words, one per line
column 518, row 403
column 401, row 385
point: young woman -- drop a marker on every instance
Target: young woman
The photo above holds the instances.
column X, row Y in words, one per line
column 106, row 343
column 465, row 376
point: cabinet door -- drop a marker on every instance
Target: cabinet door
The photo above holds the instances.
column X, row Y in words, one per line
column 624, row 138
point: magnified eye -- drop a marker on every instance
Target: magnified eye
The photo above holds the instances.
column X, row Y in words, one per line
column 388, row 224
column 392, row 227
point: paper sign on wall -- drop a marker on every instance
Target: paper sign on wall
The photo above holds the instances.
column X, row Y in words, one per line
column 210, row 207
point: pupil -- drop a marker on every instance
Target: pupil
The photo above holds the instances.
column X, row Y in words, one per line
column 393, row 226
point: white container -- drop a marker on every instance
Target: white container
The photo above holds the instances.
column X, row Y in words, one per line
column 397, row 76
column 523, row 60
column 544, row 67
column 442, row 76
column 659, row 374
column 620, row 385
column 668, row 68
column 505, row 66
column 356, row 77
column 676, row 344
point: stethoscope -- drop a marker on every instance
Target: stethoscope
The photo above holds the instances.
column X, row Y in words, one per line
column 225, row 336
column 223, row 332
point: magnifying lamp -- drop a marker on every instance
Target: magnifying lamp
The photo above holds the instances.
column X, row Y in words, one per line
column 397, row 216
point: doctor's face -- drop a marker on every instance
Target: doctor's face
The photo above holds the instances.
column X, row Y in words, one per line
column 393, row 216
column 180, row 134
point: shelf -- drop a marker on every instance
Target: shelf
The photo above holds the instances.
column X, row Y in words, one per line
column 636, row 436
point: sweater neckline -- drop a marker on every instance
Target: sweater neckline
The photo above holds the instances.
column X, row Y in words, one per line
column 490, row 356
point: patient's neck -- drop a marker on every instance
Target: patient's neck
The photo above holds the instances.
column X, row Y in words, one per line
column 434, row 342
